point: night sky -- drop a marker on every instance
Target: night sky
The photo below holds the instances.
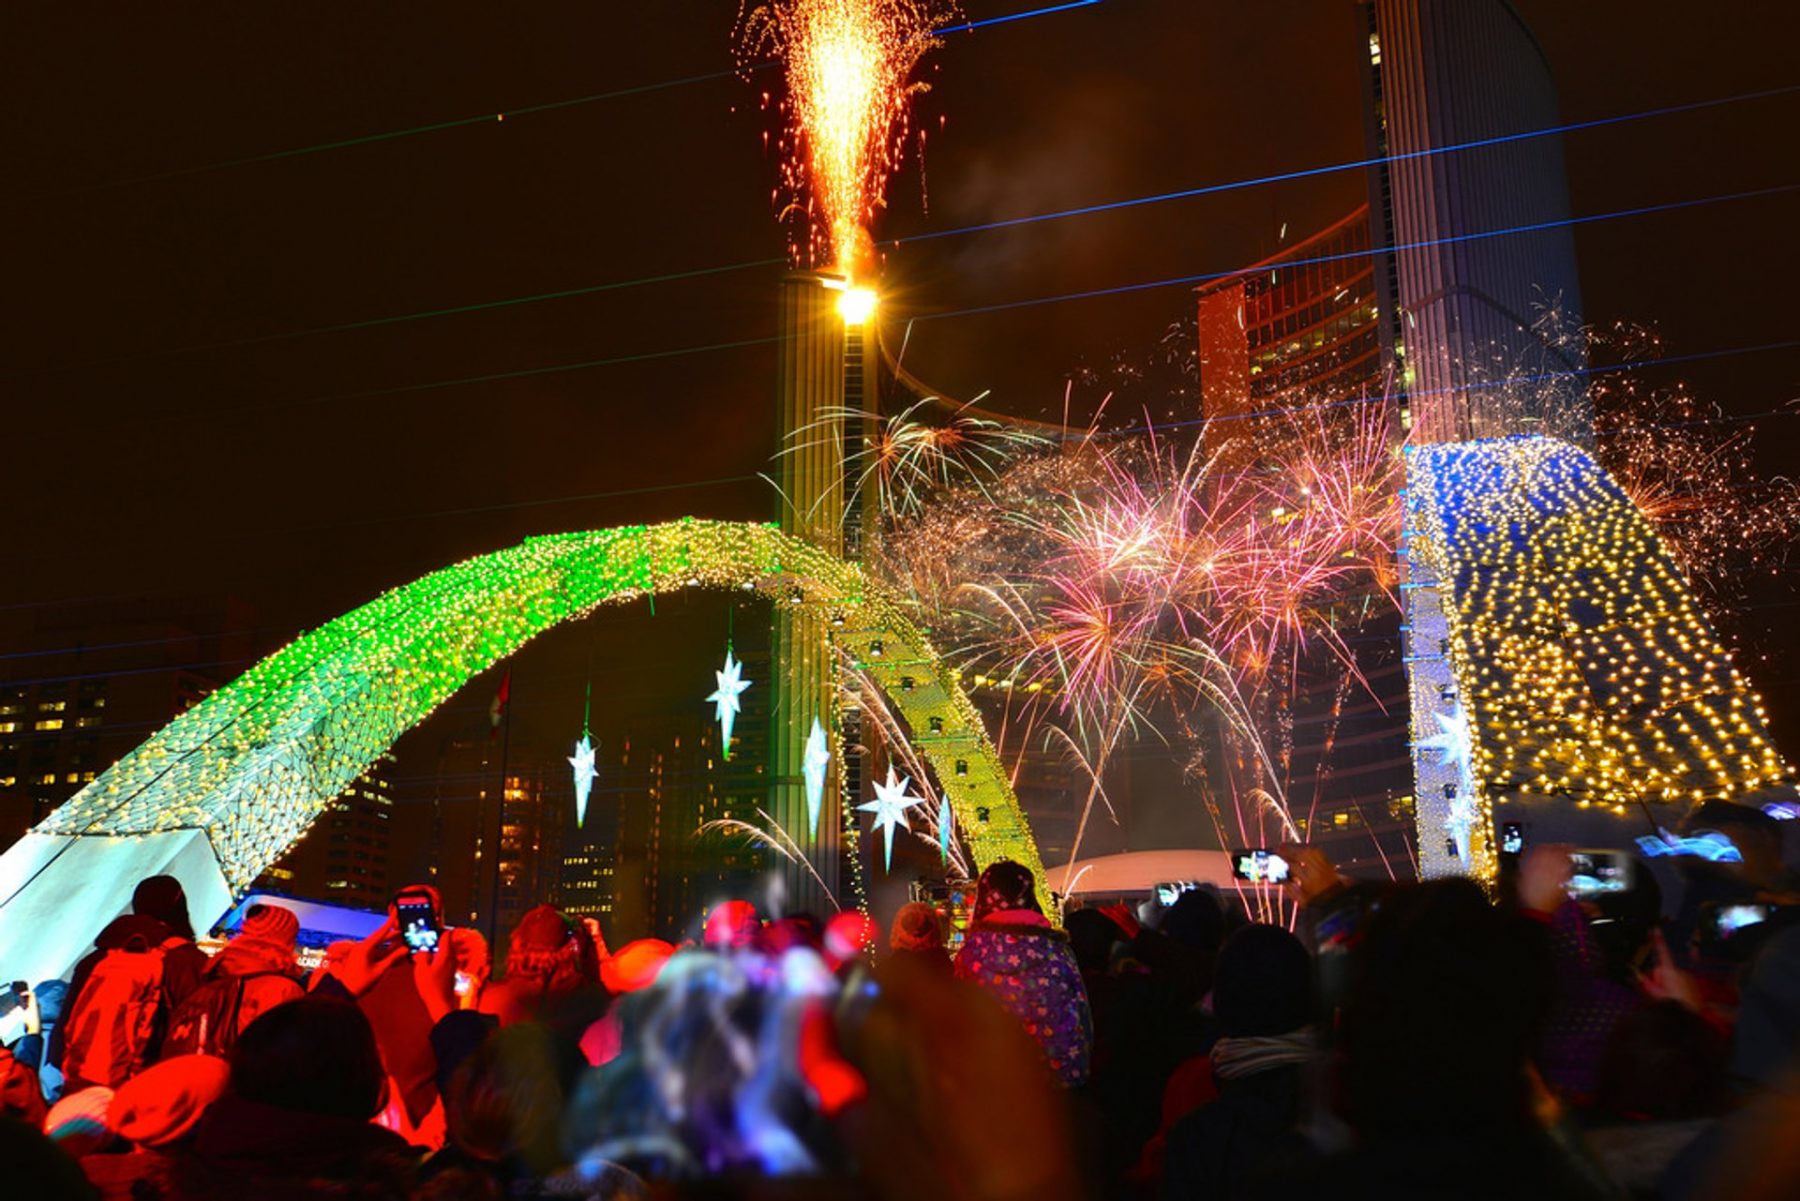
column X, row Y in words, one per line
column 166, row 434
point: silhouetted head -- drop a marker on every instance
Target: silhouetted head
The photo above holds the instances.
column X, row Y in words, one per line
column 1626, row 919
column 1005, row 885
column 1443, row 1005
column 506, row 1099
column 163, row 898
column 1755, row 834
column 314, row 1055
column 1092, row 935
column 916, row 927
column 548, row 945
column 1263, row 983
column 1195, row 921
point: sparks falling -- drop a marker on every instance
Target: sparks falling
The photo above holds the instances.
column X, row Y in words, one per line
column 848, row 66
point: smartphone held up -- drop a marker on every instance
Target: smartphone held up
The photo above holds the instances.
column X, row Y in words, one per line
column 418, row 922
column 1259, row 865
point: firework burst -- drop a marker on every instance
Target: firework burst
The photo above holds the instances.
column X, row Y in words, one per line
column 848, row 66
column 1692, row 471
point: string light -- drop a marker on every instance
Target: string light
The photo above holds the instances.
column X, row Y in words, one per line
column 1542, row 598
column 255, row 762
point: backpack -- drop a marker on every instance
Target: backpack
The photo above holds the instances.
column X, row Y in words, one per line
column 212, row 1017
column 112, row 1025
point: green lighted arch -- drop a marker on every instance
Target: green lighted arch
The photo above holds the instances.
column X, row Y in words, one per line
column 255, row 762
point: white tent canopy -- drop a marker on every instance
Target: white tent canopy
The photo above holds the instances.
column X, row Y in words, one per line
column 1139, row 872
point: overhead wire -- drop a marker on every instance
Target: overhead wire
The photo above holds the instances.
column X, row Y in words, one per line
column 486, row 118
column 976, row 310
column 982, row 227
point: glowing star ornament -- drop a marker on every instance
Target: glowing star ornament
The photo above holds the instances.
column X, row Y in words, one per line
column 1452, row 743
column 889, row 807
column 812, row 766
column 583, row 763
column 726, row 706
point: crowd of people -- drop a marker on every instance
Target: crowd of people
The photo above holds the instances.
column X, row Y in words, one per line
column 1379, row 1040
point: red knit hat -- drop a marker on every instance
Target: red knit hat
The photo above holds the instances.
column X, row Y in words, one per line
column 164, row 1102
column 636, row 965
column 271, row 924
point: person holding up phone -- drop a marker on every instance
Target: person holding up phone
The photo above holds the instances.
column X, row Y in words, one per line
column 382, row 978
column 1585, row 1005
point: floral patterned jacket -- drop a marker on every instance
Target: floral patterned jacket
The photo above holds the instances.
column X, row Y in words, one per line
column 1030, row 969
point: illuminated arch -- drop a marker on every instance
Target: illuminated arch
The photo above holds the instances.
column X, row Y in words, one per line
column 254, row 763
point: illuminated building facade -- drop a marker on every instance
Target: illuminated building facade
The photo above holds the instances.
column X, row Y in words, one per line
column 1463, row 295
column 534, row 801
column 590, row 852
column 668, row 781
column 1556, row 661
column 1298, row 328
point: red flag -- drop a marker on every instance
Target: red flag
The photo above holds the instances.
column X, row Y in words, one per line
column 497, row 706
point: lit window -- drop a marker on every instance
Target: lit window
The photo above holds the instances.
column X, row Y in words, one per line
column 15, row 708
column 87, row 777
column 48, row 723
column 47, row 778
column 8, row 781
column 52, row 706
column 73, row 777
column 7, row 727
column 86, row 723
column 99, row 702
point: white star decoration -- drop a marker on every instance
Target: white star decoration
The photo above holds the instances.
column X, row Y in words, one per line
column 725, row 698
column 812, row 766
column 1453, row 744
column 889, row 807
column 583, row 763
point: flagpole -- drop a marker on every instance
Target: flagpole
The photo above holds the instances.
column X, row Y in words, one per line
column 500, row 820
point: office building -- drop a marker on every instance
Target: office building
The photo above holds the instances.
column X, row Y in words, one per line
column 1473, row 243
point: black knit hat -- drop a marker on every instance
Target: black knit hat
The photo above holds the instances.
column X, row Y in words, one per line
column 1264, row 983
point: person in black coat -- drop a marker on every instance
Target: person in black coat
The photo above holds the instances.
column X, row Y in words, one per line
column 1247, row 1139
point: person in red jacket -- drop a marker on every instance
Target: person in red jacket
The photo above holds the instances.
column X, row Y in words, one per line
column 158, row 925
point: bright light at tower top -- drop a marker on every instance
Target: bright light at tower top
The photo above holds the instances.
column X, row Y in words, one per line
column 856, row 305
column 847, row 114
